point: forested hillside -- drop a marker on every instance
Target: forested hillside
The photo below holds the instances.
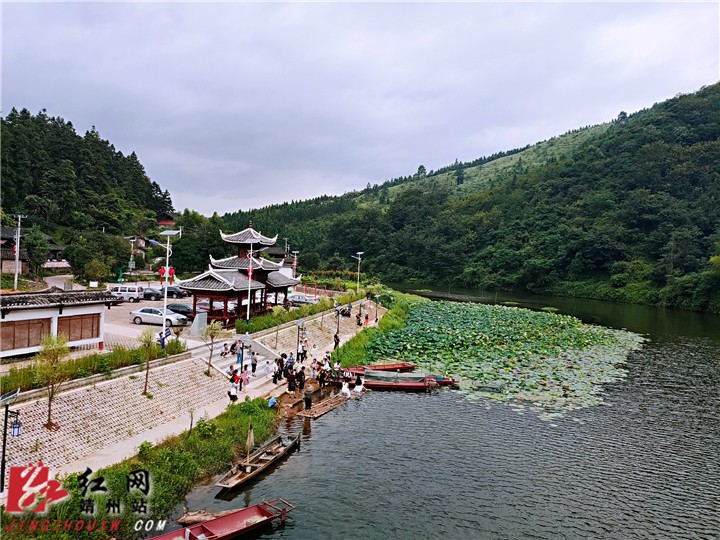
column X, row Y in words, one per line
column 628, row 211
column 60, row 179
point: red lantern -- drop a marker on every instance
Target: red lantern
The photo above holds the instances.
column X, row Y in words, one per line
column 250, row 270
column 162, row 274
column 172, row 275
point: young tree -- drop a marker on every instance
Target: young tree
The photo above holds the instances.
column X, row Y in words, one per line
column 147, row 342
column 212, row 333
column 50, row 369
column 37, row 247
column 278, row 312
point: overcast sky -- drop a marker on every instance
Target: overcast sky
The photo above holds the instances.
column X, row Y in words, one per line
column 239, row 105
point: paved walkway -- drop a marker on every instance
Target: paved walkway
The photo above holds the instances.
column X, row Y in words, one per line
column 104, row 423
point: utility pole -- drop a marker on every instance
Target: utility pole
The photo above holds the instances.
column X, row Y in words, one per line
column 17, row 250
column 286, row 246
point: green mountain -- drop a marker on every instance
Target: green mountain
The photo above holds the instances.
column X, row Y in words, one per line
column 78, row 189
column 62, row 180
column 626, row 211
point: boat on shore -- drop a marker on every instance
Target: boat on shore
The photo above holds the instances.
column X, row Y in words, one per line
column 233, row 523
column 259, row 461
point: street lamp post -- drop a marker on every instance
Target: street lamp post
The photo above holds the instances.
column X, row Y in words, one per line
column 247, row 319
column 243, row 340
column 337, row 315
column 295, row 254
column 300, row 323
column 168, row 252
column 15, row 428
column 359, row 258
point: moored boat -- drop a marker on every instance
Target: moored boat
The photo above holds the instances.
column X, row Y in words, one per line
column 428, row 382
column 398, row 366
column 234, row 523
column 261, row 460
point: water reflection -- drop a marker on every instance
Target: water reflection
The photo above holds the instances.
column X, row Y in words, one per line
column 654, row 321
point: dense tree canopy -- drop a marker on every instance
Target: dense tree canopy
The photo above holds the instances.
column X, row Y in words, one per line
column 74, row 187
column 60, row 179
column 628, row 211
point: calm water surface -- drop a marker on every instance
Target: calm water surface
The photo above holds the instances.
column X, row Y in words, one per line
column 394, row 465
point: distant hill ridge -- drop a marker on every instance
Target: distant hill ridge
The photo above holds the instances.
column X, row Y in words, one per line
column 627, row 211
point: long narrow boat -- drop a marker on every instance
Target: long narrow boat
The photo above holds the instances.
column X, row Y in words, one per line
column 427, row 383
column 234, row 523
column 261, row 460
column 398, row 366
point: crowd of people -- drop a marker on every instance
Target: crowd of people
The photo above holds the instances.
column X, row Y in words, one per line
column 292, row 370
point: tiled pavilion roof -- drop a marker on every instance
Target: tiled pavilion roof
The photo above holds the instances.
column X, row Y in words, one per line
column 219, row 280
column 277, row 280
column 243, row 263
column 248, row 236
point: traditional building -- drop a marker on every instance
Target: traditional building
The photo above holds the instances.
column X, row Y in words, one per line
column 232, row 284
column 25, row 318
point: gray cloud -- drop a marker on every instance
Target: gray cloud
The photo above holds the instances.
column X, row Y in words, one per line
column 234, row 106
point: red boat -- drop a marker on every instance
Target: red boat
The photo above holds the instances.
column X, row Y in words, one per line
column 427, row 383
column 232, row 524
column 400, row 366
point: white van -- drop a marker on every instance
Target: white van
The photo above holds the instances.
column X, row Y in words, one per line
column 131, row 293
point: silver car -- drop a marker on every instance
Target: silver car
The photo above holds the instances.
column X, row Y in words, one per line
column 299, row 299
column 152, row 315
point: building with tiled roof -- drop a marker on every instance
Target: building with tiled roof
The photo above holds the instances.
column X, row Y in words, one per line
column 27, row 317
column 232, row 284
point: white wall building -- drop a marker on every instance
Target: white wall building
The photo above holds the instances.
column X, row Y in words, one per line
column 28, row 317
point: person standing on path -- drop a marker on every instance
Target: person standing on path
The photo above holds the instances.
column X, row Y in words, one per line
column 291, row 382
column 253, row 363
column 245, row 376
column 301, row 379
column 336, row 339
column 314, row 352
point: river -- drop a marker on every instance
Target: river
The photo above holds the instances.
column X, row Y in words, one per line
column 646, row 464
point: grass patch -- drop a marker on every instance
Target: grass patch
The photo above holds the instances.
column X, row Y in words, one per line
column 26, row 377
column 175, row 465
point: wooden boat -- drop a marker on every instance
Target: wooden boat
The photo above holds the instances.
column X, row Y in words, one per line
column 427, row 383
column 201, row 516
column 377, row 375
column 234, row 523
column 398, row 366
column 326, row 406
column 257, row 462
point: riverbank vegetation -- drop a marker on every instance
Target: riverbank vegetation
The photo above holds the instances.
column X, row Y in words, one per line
column 175, row 465
column 281, row 316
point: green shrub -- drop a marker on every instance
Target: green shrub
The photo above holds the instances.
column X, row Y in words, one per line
column 92, row 364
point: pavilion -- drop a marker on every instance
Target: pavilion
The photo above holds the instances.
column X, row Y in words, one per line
column 233, row 283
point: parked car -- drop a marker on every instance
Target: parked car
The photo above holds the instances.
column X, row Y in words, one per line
column 182, row 309
column 131, row 293
column 175, row 292
column 217, row 307
column 152, row 294
column 299, row 299
column 151, row 315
